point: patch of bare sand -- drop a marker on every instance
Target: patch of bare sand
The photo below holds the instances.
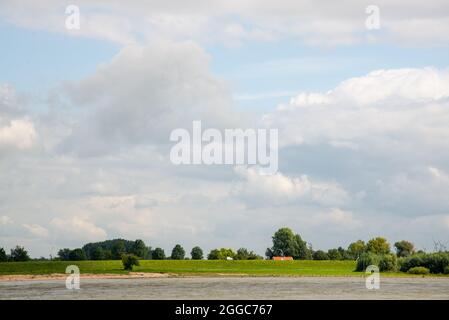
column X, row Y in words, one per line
column 62, row 276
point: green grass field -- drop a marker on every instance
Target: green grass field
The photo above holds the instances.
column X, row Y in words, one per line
column 192, row 267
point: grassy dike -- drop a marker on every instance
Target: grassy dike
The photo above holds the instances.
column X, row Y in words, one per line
column 192, row 267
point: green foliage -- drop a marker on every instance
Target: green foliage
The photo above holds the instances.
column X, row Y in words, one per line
column 3, row 256
column 435, row 262
column 19, row 254
column 355, row 249
column 77, row 255
column 140, row 249
column 221, row 254
column 244, row 254
column 378, row 245
column 446, row 270
column 334, row 254
column 178, row 253
column 158, row 254
column 196, row 253
column 385, row 262
column 404, row 248
column 388, row 262
column 418, row 270
column 286, row 243
column 64, row 254
column 129, row 261
column 98, row 254
column 320, row 255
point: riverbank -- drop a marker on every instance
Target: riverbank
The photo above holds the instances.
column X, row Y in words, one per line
column 176, row 268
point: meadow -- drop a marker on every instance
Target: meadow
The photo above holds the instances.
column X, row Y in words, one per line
column 193, row 267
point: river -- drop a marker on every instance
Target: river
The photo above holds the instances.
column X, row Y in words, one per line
column 229, row 288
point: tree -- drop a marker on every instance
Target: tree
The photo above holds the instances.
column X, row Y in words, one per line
column 98, row 254
column 64, row 254
column 77, row 255
column 244, row 254
column 178, row 253
column 320, row 255
column 334, row 254
column 129, row 261
column 3, row 256
column 355, row 249
column 19, row 254
column 378, row 245
column 196, row 253
column 139, row 249
column 118, row 248
column 286, row 243
column 158, row 254
column 221, row 254
column 404, row 248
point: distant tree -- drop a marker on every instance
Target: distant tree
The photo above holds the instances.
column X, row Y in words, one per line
column 139, row 249
column 3, row 256
column 158, row 254
column 378, row 245
column 286, row 243
column 77, row 255
column 196, row 253
column 98, row 254
column 334, row 254
column 221, row 254
column 64, row 254
column 129, row 261
column 107, row 254
column 118, row 248
column 404, row 248
column 19, row 254
column 344, row 254
column 320, row 255
column 355, row 249
column 178, row 253
column 269, row 254
column 244, row 254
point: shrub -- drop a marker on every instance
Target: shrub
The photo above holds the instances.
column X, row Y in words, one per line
column 435, row 262
column 129, row 261
column 320, row 255
column 388, row 262
column 446, row 270
column 365, row 260
column 418, row 270
column 385, row 262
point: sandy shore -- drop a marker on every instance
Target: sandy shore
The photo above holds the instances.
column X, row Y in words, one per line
column 63, row 276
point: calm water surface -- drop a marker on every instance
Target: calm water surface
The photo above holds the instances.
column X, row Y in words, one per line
column 229, row 288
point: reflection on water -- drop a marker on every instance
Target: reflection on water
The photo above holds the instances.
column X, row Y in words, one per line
column 230, row 288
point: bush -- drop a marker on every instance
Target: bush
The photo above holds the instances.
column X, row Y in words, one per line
column 446, row 270
column 385, row 262
column 435, row 262
column 320, row 255
column 388, row 262
column 418, row 270
column 365, row 260
column 129, row 261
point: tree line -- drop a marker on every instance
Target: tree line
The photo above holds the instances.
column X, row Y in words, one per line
column 285, row 243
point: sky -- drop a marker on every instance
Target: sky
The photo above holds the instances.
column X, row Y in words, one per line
column 86, row 116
